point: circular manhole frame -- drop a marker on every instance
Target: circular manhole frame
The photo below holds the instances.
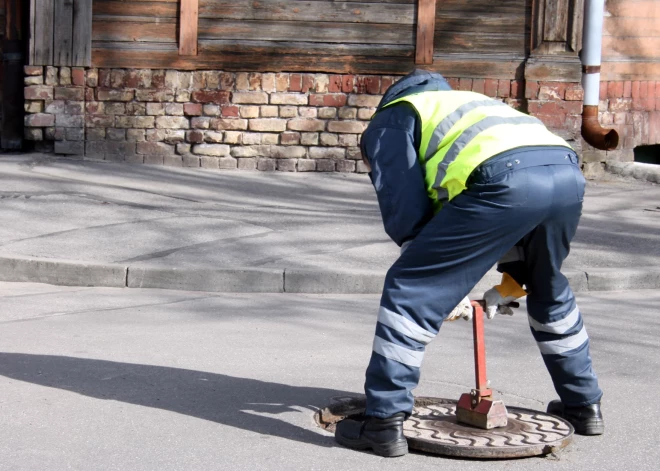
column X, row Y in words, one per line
column 523, row 437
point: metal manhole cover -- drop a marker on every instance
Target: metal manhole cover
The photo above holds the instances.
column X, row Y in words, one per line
column 433, row 428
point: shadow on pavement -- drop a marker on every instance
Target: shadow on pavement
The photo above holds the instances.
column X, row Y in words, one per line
column 227, row 400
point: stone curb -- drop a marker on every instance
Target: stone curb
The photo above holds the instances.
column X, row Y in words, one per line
column 273, row 280
column 637, row 170
column 62, row 272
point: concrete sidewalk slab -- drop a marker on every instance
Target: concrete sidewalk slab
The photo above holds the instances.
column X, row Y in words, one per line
column 320, row 233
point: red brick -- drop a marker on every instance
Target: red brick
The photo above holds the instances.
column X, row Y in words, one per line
column 219, row 97
column 104, row 78
column 573, row 123
column 334, row 85
column 657, row 103
column 306, row 124
column 295, row 82
column 602, row 93
column 335, row 100
column 315, row 99
column 556, row 88
column 644, row 89
column 385, row 83
column 158, row 79
column 230, row 111
column 290, row 137
column 657, row 89
column 453, row 83
column 465, row 84
column 38, row 92
column 515, row 103
column 192, row 109
column 226, row 81
column 282, row 82
column 372, row 84
column 360, row 86
column 307, row 83
column 619, row 89
column 39, row 120
column 554, row 107
column 517, row 89
column 254, row 80
column 478, row 85
column 531, row 90
column 649, row 103
column 89, row 94
column 490, row 87
column 329, row 99
column 69, row 93
column 627, row 89
column 554, row 121
column 611, row 90
column 195, row 137
column 94, row 107
column 504, row 89
column 33, row 70
column 78, row 76
column 347, row 83
column 635, row 89
column 99, row 121
column 574, row 94
column 621, row 104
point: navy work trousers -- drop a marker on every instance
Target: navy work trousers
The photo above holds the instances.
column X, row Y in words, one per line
column 532, row 199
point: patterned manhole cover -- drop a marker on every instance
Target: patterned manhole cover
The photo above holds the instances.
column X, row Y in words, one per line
column 433, row 428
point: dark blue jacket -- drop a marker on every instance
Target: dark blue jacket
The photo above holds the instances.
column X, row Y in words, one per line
column 391, row 144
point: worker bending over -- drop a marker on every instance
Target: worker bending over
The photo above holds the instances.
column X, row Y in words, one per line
column 463, row 182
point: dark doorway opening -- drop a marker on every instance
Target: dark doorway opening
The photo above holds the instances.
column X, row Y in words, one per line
column 648, row 154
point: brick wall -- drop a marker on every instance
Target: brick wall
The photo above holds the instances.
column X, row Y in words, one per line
column 213, row 119
column 633, row 109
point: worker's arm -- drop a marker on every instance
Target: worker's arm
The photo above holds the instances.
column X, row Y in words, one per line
column 390, row 145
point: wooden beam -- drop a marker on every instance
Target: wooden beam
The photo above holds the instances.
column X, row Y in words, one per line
column 425, row 32
column 62, row 32
column 188, row 21
column 81, row 55
column 43, row 32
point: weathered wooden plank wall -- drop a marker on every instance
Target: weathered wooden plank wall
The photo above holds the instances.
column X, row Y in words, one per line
column 631, row 40
column 471, row 37
column 482, row 27
column 60, row 32
column 371, row 36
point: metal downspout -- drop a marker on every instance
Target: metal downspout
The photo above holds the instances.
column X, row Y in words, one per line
column 592, row 34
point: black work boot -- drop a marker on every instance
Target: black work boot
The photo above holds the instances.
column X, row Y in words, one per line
column 383, row 436
column 587, row 420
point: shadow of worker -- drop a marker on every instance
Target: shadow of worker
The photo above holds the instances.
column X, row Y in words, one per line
column 227, row 400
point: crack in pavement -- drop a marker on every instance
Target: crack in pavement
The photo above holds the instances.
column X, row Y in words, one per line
column 95, row 310
column 67, row 231
column 165, row 253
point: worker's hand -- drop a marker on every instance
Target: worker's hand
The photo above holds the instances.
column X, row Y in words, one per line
column 498, row 298
column 464, row 310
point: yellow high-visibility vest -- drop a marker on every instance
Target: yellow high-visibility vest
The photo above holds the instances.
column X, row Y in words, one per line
column 460, row 130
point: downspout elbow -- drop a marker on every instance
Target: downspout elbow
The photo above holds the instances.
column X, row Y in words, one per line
column 592, row 34
column 596, row 135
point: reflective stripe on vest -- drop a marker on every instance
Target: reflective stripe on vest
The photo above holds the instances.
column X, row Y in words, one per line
column 460, row 130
